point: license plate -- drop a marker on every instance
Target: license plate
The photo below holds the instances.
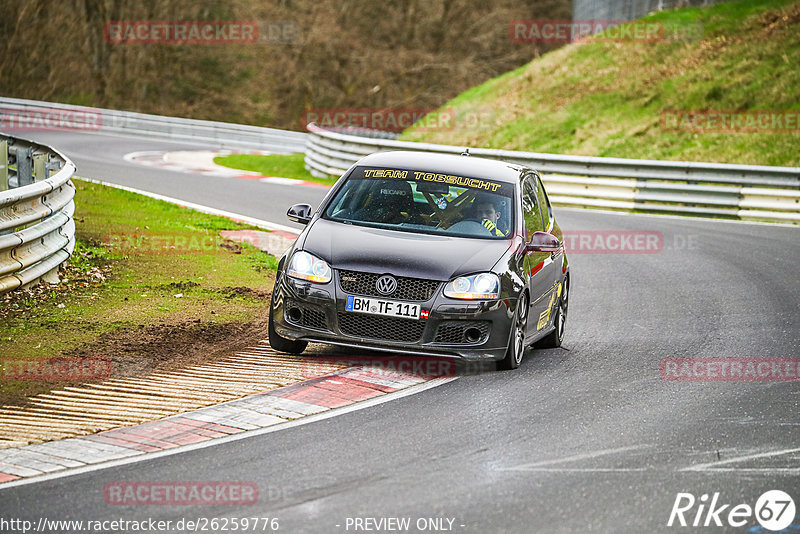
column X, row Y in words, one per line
column 392, row 308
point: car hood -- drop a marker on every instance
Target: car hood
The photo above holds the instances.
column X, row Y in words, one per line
column 376, row 250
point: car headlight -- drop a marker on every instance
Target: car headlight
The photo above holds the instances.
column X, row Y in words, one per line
column 309, row 267
column 474, row 287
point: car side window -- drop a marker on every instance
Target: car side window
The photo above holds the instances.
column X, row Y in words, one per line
column 530, row 208
column 544, row 202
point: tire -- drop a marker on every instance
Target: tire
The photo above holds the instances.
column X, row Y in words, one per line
column 554, row 338
column 281, row 344
column 516, row 342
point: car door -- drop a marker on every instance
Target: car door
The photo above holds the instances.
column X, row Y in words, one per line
column 554, row 268
column 541, row 269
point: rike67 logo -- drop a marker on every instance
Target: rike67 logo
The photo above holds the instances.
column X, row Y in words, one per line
column 774, row 511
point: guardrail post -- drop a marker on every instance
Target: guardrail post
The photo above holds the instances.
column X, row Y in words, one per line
column 51, row 166
column 39, row 167
column 24, row 166
column 3, row 165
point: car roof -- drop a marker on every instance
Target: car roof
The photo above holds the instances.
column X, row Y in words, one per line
column 444, row 163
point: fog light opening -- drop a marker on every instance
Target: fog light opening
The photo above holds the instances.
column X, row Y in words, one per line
column 295, row 315
column 472, row 335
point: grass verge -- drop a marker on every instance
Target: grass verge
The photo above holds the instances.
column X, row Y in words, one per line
column 149, row 282
column 281, row 165
column 614, row 98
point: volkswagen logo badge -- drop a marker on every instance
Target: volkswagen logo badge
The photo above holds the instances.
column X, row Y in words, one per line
column 386, row 284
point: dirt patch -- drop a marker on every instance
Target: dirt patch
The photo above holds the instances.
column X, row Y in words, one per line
column 166, row 346
column 242, row 291
column 182, row 286
column 779, row 21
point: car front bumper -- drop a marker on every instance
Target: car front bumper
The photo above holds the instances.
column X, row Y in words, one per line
column 472, row 330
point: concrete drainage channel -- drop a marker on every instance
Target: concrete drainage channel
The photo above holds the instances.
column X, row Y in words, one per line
column 82, row 428
column 77, row 410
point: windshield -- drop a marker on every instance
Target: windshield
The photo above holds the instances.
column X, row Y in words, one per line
column 424, row 202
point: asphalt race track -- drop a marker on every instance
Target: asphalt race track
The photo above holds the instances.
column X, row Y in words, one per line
column 100, row 157
column 588, row 438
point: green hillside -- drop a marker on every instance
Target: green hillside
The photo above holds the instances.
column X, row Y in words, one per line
column 613, row 97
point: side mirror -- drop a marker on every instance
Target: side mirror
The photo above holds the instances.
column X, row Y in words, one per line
column 543, row 242
column 300, row 213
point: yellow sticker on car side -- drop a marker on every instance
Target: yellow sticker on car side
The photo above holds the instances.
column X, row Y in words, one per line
column 544, row 317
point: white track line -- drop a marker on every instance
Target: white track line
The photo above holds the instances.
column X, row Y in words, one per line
column 713, row 466
column 577, row 457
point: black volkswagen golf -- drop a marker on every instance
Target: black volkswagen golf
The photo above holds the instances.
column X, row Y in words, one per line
column 426, row 254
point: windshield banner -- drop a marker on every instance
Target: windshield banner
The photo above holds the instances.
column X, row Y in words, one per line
column 424, row 176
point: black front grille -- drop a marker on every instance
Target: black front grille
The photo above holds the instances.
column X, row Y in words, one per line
column 455, row 332
column 386, row 328
column 311, row 317
column 359, row 283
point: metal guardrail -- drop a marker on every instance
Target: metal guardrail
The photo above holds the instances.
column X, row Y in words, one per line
column 37, row 231
column 615, row 10
column 747, row 192
column 33, row 114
